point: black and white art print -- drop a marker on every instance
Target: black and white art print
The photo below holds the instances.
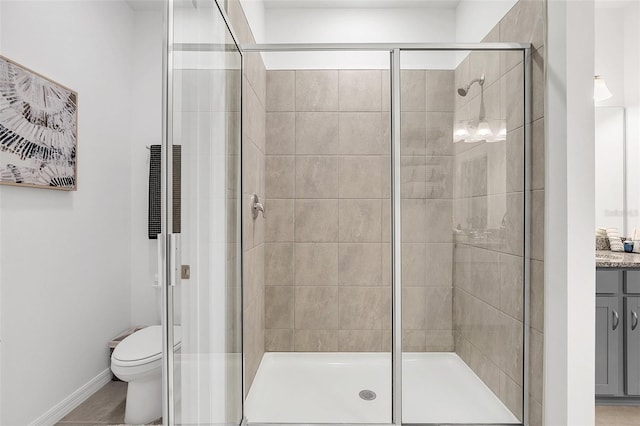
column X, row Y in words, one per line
column 38, row 130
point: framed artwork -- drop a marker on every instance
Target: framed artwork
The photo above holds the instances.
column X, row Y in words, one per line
column 38, row 130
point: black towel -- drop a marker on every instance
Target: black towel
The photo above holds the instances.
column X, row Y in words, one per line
column 155, row 188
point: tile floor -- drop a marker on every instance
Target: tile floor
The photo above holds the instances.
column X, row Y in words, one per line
column 105, row 407
column 613, row 415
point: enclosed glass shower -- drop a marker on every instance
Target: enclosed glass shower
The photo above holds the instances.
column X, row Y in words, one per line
column 353, row 230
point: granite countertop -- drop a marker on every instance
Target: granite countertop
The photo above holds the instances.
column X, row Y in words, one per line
column 616, row 259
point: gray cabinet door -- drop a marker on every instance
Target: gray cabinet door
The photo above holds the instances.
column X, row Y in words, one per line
column 608, row 345
column 632, row 331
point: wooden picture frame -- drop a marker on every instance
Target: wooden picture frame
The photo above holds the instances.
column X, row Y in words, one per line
column 38, row 130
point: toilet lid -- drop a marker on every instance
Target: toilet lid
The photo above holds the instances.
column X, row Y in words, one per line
column 144, row 345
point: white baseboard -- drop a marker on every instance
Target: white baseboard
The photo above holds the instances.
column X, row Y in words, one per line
column 64, row 407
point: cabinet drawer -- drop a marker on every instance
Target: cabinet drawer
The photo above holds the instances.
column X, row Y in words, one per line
column 632, row 283
column 610, row 282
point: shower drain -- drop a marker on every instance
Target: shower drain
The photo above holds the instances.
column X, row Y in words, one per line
column 367, row 395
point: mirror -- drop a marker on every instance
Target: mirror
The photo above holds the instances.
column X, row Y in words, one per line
column 610, row 168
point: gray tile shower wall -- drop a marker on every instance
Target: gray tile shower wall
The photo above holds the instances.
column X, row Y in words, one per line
column 327, row 250
column 426, row 192
column 253, row 177
column 327, row 247
column 488, row 214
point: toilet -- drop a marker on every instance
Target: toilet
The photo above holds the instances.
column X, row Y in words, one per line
column 137, row 360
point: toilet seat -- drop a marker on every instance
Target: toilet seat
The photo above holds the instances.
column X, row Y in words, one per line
column 143, row 347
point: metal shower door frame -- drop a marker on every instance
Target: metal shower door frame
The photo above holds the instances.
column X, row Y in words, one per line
column 164, row 244
column 169, row 261
column 395, row 50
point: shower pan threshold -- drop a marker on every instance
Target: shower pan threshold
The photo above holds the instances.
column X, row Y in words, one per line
column 302, row 387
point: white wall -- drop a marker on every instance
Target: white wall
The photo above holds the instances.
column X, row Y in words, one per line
column 358, row 25
column 569, row 275
column 474, row 19
column 255, row 12
column 609, row 51
column 382, row 22
column 362, row 25
column 66, row 257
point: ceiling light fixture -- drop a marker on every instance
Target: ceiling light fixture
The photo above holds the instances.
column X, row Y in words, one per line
column 484, row 131
column 600, row 90
column 462, row 133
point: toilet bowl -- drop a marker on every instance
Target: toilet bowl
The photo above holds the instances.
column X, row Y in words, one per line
column 137, row 360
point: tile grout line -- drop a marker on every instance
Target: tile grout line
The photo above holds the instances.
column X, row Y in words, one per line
column 295, row 203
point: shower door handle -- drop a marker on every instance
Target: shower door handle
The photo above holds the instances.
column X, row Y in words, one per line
column 174, row 259
column 169, row 251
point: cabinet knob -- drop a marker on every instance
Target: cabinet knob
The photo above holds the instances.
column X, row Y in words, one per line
column 616, row 319
column 634, row 320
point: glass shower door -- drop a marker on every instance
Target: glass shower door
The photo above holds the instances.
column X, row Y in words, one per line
column 203, row 384
column 463, row 237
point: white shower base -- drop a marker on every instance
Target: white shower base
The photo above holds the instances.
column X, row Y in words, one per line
column 296, row 387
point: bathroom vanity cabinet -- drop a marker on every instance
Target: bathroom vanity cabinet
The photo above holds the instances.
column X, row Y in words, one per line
column 617, row 335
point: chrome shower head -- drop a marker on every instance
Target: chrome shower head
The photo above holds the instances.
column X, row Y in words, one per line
column 463, row 91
